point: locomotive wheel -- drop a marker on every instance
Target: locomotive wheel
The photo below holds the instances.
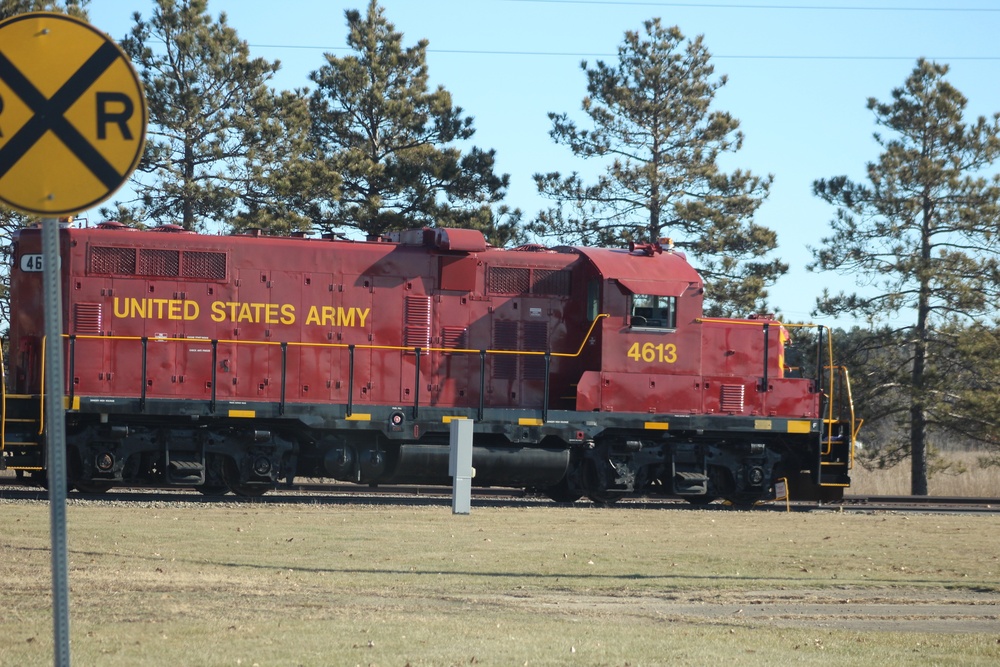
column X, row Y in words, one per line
column 742, row 503
column 566, row 496
column 94, row 488
column 231, row 474
column 212, row 489
column 701, row 500
column 562, row 493
column 250, row 490
column 215, row 477
column 604, row 498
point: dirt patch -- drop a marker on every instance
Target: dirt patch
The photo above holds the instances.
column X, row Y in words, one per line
column 929, row 611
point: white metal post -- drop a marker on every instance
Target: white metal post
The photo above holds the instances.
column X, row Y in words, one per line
column 460, row 465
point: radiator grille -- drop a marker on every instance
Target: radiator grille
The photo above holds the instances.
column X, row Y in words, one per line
column 536, row 339
column 732, row 398
column 87, row 318
column 109, row 260
column 155, row 262
column 550, row 283
column 508, row 280
column 115, row 261
column 522, row 336
column 516, row 280
column 417, row 329
column 211, row 265
column 505, row 338
column 454, row 337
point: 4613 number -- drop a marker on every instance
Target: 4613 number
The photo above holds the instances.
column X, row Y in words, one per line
column 664, row 353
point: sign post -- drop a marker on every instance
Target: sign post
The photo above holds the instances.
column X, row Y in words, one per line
column 460, row 465
column 72, row 130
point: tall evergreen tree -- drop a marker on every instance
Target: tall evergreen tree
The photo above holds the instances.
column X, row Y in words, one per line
column 659, row 143
column 77, row 8
column 922, row 234
column 201, row 87
column 392, row 141
column 276, row 183
column 973, row 401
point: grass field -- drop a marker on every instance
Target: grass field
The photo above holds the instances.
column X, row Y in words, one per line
column 346, row 583
column 964, row 477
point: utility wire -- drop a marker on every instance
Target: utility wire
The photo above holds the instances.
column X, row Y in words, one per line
column 701, row 5
column 615, row 55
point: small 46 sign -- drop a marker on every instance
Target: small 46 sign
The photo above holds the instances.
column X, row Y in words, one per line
column 32, row 263
column 72, row 115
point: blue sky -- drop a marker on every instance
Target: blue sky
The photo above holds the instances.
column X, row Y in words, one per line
column 799, row 77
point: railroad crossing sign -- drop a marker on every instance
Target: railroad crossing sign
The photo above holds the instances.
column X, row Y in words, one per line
column 72, row 115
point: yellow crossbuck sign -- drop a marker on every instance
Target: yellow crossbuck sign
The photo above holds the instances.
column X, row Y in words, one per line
column 72, row 115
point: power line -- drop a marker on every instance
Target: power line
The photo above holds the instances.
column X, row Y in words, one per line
column 700, row 5
column 485, row 52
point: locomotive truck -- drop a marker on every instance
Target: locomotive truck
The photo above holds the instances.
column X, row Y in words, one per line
column 238, row 363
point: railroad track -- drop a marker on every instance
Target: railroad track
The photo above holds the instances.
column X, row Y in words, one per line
column 337, row 493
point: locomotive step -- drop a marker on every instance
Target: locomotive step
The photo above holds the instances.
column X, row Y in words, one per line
column 23, row 462
column 690, row 483
column 835, row 480
column 22, row 407
column 185, row 472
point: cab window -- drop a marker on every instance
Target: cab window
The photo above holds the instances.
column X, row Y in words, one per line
column 657, row 312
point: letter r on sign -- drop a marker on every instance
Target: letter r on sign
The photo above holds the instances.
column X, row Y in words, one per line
column 118, row 114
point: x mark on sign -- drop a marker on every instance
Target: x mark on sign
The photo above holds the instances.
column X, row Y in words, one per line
column 49, row 114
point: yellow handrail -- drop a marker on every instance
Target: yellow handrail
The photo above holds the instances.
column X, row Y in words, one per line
column 3, row 402
column 398, row 348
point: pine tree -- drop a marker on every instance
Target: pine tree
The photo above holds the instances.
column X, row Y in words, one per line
column 201, row 87
column 276, row 183
column 77, row 8
column 973, row 403
column 393, row 142
column 922, row 234
column 659, row 143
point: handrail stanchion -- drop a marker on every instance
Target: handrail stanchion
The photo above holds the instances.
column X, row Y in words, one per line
column 72, row 367
column 215, row 375
column 284, row 376
column 3, row 401
column 545, row 391
column 350, row 379
column 416, row 382
column 482, row 384
column 763, row 386
column 144, row 346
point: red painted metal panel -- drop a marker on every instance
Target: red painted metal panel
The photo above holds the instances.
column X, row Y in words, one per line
column 655, row 287
column 464, row 240
column 623, row 265
column 438, row 290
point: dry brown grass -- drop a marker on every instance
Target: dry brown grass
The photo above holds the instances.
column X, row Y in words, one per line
column 346, row 584
column 964, row 477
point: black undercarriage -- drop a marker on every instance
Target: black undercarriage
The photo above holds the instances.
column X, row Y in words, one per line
column 567, row 456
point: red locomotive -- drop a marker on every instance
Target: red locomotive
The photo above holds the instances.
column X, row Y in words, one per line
column 238, row 362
